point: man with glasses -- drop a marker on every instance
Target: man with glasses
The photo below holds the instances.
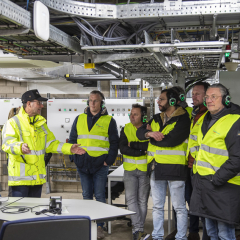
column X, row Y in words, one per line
column 26, row 138
column 216, row 180
column 167, row 165
column 97, row 133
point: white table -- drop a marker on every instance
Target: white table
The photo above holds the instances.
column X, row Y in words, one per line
column 117, row 175
column 97, row 211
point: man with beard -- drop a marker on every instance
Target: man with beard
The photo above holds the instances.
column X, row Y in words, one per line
column 167, row 165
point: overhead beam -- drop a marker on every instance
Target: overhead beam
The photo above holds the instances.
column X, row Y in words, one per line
column 160, row 45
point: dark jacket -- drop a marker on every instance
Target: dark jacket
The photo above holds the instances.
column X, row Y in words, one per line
column 213, row 197
column 136, row 149
column 86, row 163
column 175, row 137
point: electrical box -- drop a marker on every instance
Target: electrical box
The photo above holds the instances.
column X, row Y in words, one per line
column 120, row 110
column 6, row 105
column 61, row 113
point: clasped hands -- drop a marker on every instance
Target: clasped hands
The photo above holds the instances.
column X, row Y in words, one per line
column 157, row 136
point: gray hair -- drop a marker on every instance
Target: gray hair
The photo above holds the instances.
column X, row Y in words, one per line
column 223, row 89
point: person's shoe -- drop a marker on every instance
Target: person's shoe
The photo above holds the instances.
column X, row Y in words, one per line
column 136, row 235
column 100, row 233
column 144, row 236
column 172, row 235
column 193, row 236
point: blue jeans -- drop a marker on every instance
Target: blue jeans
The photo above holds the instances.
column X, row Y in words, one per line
column 94, row 183
column 220, row 230
column 137, row 189
column 27, row 191
column 177, row 192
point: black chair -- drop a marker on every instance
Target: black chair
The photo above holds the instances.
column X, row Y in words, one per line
column 48, row 228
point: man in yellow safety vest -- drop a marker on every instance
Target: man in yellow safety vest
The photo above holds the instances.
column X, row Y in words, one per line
column 167, row 163
column 216, row 180
column 136, row 181
column 26, row 138
column 97, row 133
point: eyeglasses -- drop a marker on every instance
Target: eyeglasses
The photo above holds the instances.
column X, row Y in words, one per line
column 94, row 101
column 38, row 102
column 212, row 98
column 161, row 99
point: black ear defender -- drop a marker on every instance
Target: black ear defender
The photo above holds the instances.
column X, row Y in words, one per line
column 226, row 99
column 182, row 97
column 102, row 96
column 144, row 114
column 172, row 100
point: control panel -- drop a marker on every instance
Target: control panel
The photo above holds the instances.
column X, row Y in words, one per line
column 6, row 105
column 61, row 113
column 120, row 110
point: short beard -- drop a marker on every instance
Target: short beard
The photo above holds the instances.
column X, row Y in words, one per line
column 165, row 107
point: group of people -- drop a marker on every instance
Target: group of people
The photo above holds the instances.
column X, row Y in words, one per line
column 192, row 151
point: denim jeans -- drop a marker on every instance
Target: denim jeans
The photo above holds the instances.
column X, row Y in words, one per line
column 177, row 192
column 137, row 187
column 94, row 183
column 220, row 230
column 27, row 191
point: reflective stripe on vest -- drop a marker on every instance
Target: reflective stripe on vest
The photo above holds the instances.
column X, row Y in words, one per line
column 208, row 165
column 193, row 149
column 93, row 137
column 193, row 137
column 170, row 152
column 213, row 150
column 129, row 160
column 96, row 149
column 149, row 153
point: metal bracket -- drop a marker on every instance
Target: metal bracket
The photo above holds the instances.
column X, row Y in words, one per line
column 172, row 5
column 213, row 31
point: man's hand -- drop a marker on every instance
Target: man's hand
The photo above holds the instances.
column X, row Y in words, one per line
column 105, row 164
column 149, row 127
column 25, row 148
column 129, row 144
column 77, row 150
column 157, row 136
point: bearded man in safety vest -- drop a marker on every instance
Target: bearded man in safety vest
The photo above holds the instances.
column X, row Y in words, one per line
column 196, row 114
column 26, row 138
column 216, row 180
column 136, row 181
column 167, row 163
column 97, row 133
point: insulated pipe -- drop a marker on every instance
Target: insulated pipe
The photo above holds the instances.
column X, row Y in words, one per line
column 99, row 77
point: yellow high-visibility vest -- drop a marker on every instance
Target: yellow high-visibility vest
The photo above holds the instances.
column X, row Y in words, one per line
column 193, row 145
column 213, row 151
column 96, row 141
column 130, row 163
column 167, row 155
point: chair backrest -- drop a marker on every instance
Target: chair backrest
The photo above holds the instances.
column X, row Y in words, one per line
column 48, row 228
